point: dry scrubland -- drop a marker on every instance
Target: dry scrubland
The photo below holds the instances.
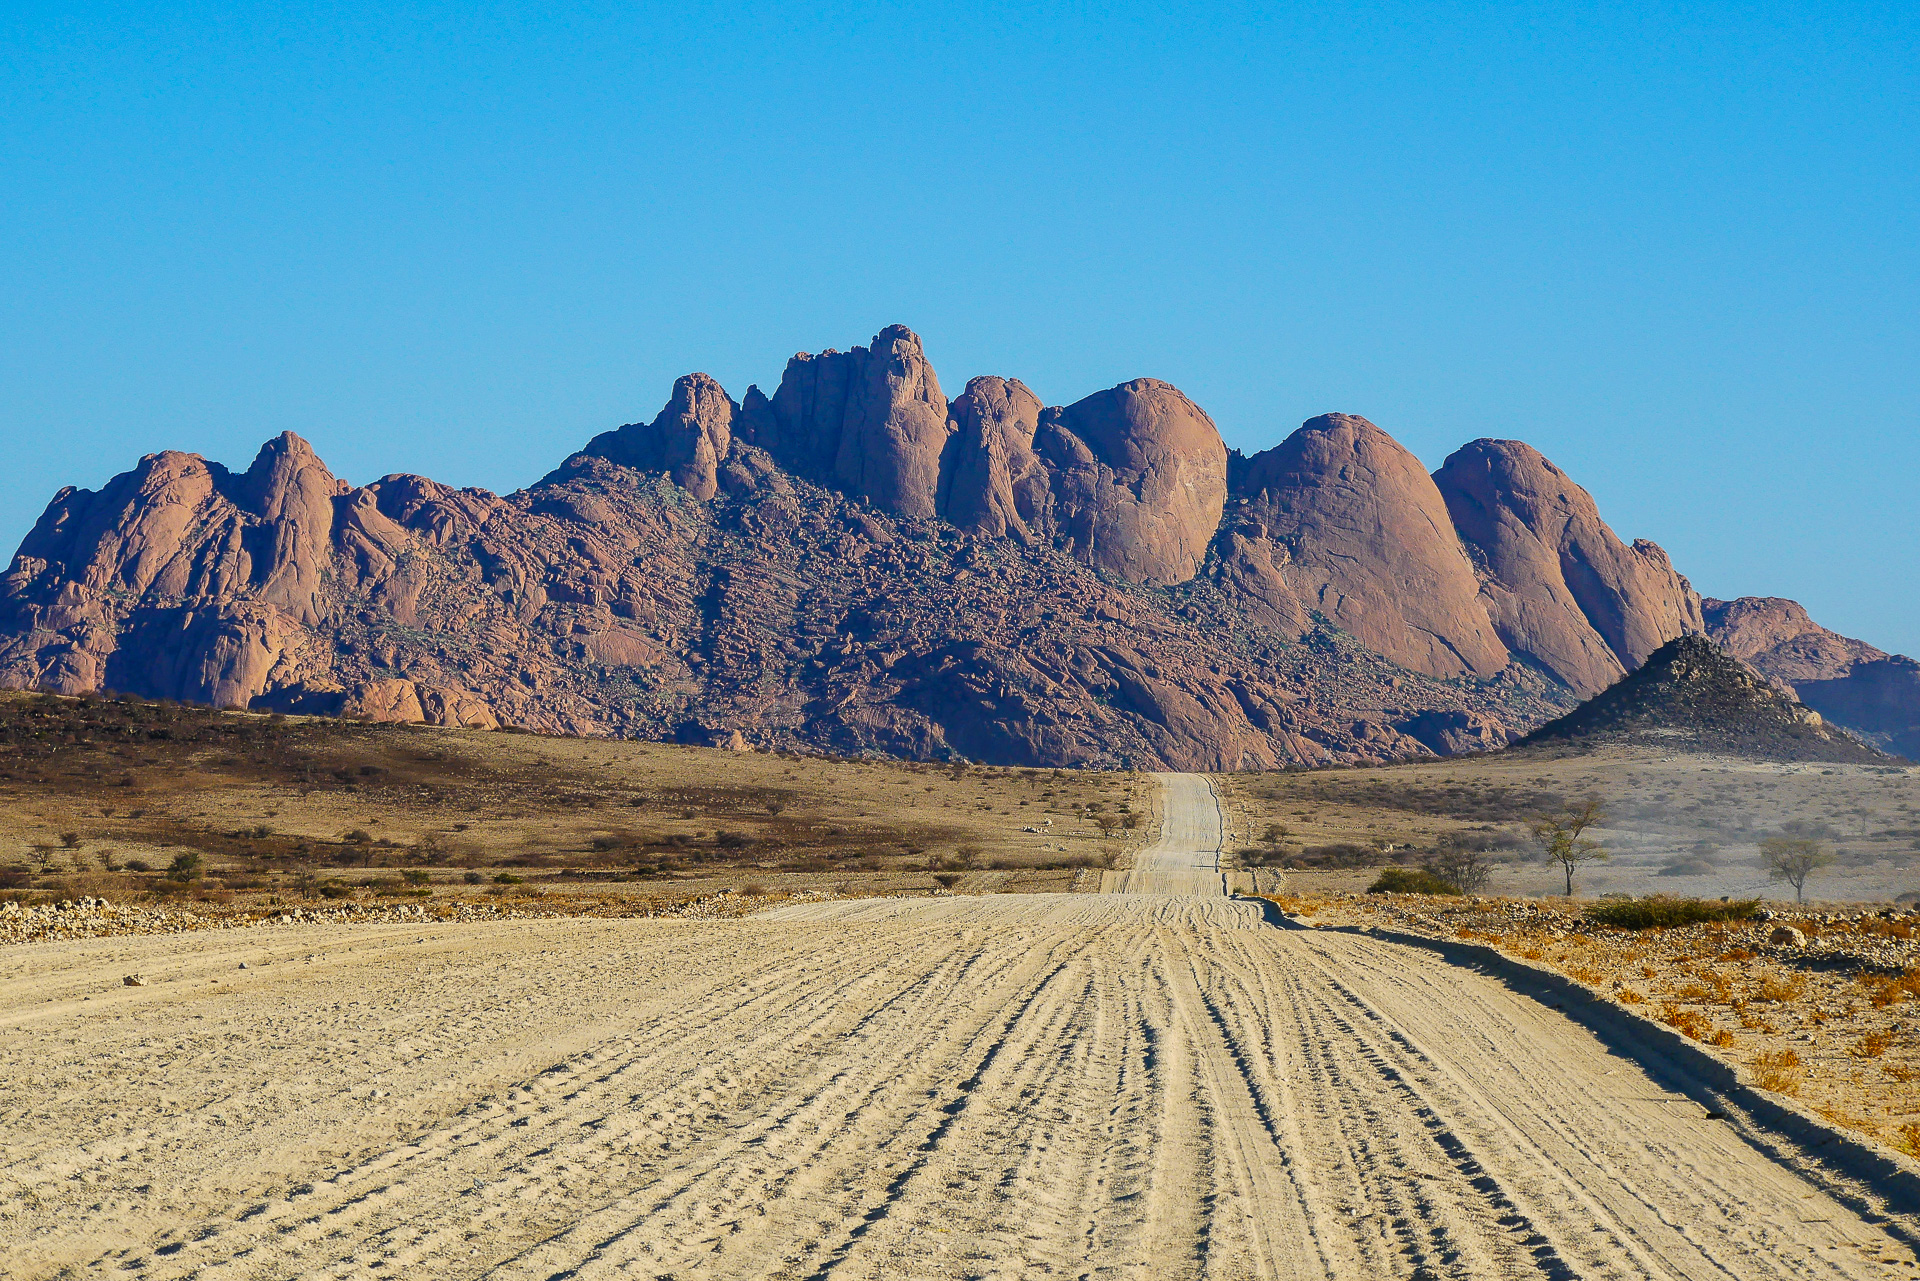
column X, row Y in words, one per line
column 1832, row 1019
column 419, row 1074
column 99, row 797
column 1676, row 824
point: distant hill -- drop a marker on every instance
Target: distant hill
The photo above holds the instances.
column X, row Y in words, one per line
column 1691, row 695
column 1869, row 691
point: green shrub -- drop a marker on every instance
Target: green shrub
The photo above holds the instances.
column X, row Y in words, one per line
column 1659, row 910
column 1410, row 880
column 508, row 878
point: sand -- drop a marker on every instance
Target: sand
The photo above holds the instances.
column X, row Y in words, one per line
column 1127, row 1085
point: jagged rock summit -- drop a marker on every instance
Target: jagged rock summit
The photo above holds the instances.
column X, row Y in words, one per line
column 1691, row 695
column 857, row 563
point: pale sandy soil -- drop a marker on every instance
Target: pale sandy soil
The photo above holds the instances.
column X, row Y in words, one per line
column 1122, row 1085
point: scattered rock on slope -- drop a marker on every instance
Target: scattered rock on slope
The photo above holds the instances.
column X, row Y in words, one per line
column 1865, row 689
column 1691, row 695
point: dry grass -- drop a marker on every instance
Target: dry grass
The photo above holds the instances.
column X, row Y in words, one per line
column 1664, row 813
column 100, row 796
column 1853, row 1052
column 1779, row 1071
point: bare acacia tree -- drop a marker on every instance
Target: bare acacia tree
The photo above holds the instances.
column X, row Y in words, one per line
column 1793, row 860
column 1563, row 839
column 1463, row 867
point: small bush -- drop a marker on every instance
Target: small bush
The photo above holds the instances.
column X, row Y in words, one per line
column 1410, row 880
column 1689, row 1023
column 1659, row 911
column 137, row 865
column 947, row 880
column 333, row 889
column 1779, row 1071
column 1776, row 989
column 508, row 878
column 1340, row 854
column 1885, row 989
column 414, row 876
column 1872, row 1045
column 474, row 878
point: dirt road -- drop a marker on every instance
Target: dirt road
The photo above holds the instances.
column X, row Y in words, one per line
column 1186, row 857
column 1125, row 1086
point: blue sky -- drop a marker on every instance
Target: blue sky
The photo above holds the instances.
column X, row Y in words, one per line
column 1673, row 246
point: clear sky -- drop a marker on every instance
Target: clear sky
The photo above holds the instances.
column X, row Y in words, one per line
column 1673, row 246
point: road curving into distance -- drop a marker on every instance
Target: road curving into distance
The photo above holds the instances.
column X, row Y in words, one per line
column 1131, row 1085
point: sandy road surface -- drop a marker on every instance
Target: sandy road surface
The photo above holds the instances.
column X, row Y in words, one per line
column 1127, row 1086
column 1186, row 857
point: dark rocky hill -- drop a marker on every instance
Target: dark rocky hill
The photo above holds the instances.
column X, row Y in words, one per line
column 1693, row 696
column 857, row 563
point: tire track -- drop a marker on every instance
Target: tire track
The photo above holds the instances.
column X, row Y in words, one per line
column 1119, row 1086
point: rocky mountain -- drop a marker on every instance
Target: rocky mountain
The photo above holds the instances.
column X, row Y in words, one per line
column 856, row 563
column 1692, row 695
column 1847, row 681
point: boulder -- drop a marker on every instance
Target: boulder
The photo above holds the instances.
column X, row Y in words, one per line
column 1559, row 586
column 689, row 439
column 992, row 482
column 1370, row 546
column 1848, row 681
column 1777, row 636
column 1139, row 479
column 1450, row 733
column 872, row 421
column 291, row 494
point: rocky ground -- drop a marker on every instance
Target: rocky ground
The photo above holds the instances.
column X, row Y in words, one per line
column 1822, row 1005
column 93, row 918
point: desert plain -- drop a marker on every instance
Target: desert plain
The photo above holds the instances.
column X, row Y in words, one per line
column 862, row 1019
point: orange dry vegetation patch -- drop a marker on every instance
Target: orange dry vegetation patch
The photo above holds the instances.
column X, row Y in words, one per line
column 1855, row 1053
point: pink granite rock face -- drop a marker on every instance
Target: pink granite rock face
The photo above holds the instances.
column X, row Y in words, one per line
column 1370, row 547
column 689, row 439
column 855, row 564
column 871, row 421
column 993, row 482
column 1558, row 584
column 1139, row 477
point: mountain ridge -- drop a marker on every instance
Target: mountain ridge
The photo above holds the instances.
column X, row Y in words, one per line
column 795, row 568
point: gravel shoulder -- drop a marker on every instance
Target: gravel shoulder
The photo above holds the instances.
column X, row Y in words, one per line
column 1119, row 1085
